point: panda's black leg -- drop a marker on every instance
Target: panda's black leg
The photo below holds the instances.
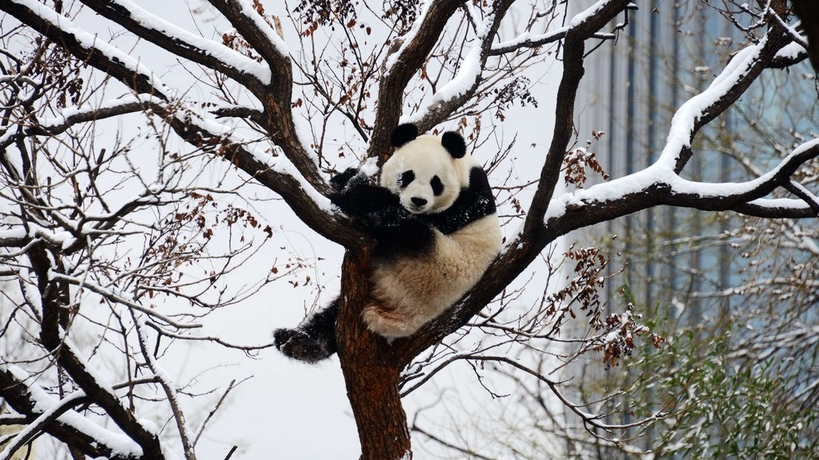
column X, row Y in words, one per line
column 313, row 340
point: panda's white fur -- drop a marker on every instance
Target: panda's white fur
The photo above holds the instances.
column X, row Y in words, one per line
column 412, row 292
column 409, row 292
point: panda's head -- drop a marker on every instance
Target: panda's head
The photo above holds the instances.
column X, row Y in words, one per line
column 426, row 172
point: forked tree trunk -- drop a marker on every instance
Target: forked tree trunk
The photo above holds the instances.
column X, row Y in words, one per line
column 371, row 369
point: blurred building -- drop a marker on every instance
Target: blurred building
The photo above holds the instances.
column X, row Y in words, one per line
column 673, row 260
column 666, row 53
column 680, row 265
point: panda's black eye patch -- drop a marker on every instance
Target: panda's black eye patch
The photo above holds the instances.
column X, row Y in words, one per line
column 437, row 186
column 406, row 178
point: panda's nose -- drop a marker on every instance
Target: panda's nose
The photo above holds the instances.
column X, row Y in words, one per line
column 418, row 201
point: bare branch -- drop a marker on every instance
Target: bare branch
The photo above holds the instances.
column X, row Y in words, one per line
column 402, row 66
column 167, row 386
column 52, row 338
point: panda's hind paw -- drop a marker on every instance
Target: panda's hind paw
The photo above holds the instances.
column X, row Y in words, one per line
column 297, row 344
column 387, row 323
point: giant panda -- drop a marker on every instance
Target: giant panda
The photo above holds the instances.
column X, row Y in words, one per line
column 436, row 228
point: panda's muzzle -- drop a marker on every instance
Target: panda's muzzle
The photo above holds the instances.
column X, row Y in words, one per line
column 418, row 202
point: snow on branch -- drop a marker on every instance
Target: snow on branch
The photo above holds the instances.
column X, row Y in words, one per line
column 108, row 59
column 530, row 40
column 410, row 37
column 403, row 64
column 86, row 46
column 469, row 76
column 249, row 22
column 659, row 184
column 466, row 80
column 701, row 193
column 181, row 42
column 742, row 70
column 37, row 426
column 47, row 413
column 789, row 55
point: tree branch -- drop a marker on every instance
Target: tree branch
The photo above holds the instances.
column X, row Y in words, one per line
column 168, row 388
column 276, row 97
column 87, row 47
column 33, row 429
column 182, row 43
column 401, row 67
column 53, row 339
column 67, row 426
column 723, row 92
column 465, row 83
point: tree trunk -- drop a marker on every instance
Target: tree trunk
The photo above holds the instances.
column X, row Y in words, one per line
column 371, row 369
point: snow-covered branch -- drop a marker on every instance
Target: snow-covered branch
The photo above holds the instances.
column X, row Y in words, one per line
column 45, row 413
column 726, row 88
column 249, row 22
column 39, row 424
column 469, row 76
column 183, row 43
column 660, row 185
column 88, row 47
column 527, row 39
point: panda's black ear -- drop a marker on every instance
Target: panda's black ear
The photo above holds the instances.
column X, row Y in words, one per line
column 403, row 134
column 454, row 144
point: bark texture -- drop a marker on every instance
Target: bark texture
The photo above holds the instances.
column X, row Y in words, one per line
column 371, row 370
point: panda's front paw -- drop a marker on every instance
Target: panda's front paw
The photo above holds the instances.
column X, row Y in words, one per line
column 340, row 181
column 367, row 202
column 297, row 344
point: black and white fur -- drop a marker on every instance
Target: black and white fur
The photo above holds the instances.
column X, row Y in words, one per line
column 434, row 219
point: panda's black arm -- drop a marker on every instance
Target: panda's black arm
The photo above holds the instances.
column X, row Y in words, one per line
column 412, row 237
column 364, row 200
column 339, row 181
column 396, row 229
column 473, row 203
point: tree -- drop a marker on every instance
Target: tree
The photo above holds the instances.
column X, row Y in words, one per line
column 731, row 294
column 264, row 102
